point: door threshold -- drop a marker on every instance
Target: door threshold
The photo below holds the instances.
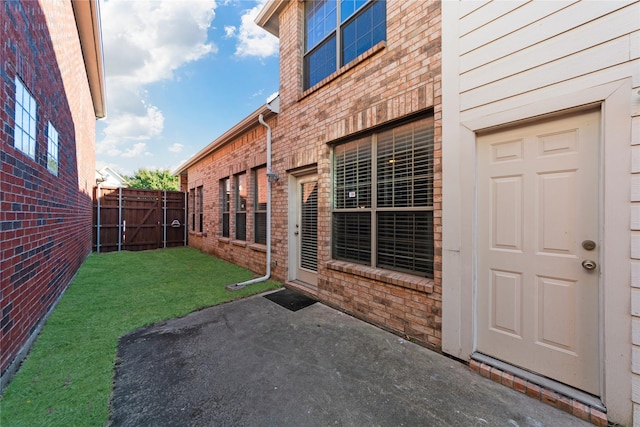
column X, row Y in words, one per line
column 543, row 382
column 303, row 286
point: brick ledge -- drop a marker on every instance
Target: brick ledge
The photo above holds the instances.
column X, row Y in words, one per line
column 402, row 280
column 544, row 394
column 345, row 68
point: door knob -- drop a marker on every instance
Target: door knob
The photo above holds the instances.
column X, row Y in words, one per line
column 589, row 265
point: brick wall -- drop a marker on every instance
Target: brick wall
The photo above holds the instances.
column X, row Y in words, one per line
column 391, row 81
column 244, row 153
column 45, row 220
column 394, row 80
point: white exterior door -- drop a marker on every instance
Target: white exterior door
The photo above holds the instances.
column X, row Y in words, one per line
column 538, row 274
column 306, row 230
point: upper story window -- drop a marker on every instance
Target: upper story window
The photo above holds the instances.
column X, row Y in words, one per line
column 52, row 149
column 337, row 31
column 24, row 138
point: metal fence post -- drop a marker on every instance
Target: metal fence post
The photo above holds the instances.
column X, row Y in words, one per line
column 164, row 219
column 119, row 219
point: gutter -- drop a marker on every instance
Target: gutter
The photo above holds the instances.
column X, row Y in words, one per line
column 271, row 177
column 87, row 16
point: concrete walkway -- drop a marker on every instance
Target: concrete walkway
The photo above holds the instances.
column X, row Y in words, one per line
column 255, row 363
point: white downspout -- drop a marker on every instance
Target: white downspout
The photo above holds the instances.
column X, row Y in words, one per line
column 270, row 178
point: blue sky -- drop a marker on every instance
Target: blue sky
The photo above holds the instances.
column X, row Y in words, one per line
column 179, row 73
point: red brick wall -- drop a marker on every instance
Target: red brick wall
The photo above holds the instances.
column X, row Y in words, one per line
column 45, row 220
column 242, row 154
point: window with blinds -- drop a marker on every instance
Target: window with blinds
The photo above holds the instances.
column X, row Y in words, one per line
column 309, row 226
column 260, row 202
column 391, row 227
column 192, row 208
column 225, row 203
column 241, row 206
column 200, row 207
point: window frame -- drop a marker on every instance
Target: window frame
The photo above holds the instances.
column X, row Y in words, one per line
column 200, row 207
column 192, row 208
column 240, row 210
column 225, row 207
column 367, row 211
column 334, row 36
column 260, row 209
column 22, row 113
column 53, row 149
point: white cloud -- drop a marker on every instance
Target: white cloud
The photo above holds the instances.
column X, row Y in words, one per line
column 125, row 128
column 146, row 42
column 176, row 148
column 229, row 31
column 137, row 149
column 253, row 40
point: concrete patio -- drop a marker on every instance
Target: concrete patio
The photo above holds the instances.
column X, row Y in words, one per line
column 256, row 363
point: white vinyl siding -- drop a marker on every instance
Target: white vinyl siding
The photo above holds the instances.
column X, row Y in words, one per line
column 509, row 61
column 500, row 42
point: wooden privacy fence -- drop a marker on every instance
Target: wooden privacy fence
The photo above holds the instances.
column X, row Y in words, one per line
column 132, row 219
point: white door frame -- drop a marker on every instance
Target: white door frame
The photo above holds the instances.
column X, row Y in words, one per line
column 508, row 162
column 459, row 225
column 293, row 196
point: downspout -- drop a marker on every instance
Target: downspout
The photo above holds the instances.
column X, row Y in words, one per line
column 271, row 176
column 98, row 221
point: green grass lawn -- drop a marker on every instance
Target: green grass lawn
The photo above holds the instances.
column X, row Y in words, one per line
column 66, row 379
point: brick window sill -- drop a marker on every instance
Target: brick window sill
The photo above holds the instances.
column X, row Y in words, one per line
column 342, row 70
column 395, row 278
column 224, row 239
column 258, row 247
column 240, row 243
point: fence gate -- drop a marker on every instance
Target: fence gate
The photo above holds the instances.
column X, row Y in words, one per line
column 131, row 219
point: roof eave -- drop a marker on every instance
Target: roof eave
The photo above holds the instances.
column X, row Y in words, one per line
column 87, row 14
column 268, row 16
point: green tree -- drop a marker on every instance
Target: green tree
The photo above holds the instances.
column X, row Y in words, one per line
column 160, row 179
